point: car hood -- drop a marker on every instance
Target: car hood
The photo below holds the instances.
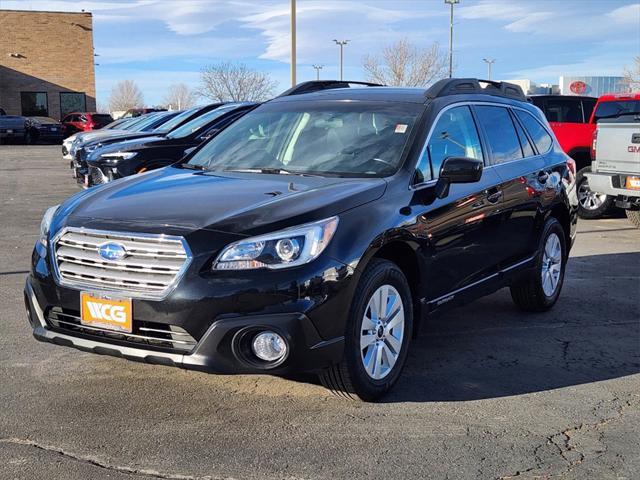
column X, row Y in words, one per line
column 125, row 145
column 179, row 200
column 113, row 136
column 12, row 120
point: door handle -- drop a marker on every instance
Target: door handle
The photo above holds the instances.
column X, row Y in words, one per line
column 543, row 177
column 493, row 195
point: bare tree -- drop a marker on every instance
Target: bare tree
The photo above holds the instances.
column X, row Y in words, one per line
column 632, row 75
column 404, row 64
column 125, row 95
column 180, row 97
column 228, row 81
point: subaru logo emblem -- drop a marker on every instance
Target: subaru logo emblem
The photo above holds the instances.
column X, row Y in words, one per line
column 112, row 251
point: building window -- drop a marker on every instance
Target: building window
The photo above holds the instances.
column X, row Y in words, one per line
column 72, row 102
column 34, row 104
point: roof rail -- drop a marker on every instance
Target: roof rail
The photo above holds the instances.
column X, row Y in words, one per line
column 460, row 86
column 316, row 85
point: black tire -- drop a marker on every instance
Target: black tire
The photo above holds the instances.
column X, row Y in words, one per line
column 584, row 209
column 528, row 292
column 29, row 138
column 634, row 217
column 349, row 377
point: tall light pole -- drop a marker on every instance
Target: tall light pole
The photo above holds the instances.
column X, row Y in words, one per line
column 451, row 4
column 341, row 43
column 318, row 68
column 293, row 42
column 489, row 62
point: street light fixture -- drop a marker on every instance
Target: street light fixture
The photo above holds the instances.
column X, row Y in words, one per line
column 451, row 4
column 489, row 62
column 341, row 43
column 318, row 68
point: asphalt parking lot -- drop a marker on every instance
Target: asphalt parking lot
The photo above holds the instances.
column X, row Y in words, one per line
column 488, row 392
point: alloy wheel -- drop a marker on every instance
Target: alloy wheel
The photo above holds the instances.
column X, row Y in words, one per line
column 382, row 332
column 551, row 265
column 589, row 200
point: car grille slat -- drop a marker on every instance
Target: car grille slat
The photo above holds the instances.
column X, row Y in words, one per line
column 151, row 267
column 172, row 338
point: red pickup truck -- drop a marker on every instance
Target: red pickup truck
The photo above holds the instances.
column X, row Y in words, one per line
column 573, row 119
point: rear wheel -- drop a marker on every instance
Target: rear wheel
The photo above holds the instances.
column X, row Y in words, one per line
column 634, row 217
column 591, row 205
column 377, row 337
column 540, row 289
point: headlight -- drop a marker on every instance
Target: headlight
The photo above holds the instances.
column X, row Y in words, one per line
column 118, row 155
column 286, row 248
column 46, row 224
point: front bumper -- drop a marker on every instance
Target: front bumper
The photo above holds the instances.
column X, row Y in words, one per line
column 312, row 322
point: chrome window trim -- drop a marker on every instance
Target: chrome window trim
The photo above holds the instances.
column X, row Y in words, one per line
column 78, row 285
column 416, row 186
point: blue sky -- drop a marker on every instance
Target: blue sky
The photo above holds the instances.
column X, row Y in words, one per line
column 160, row 42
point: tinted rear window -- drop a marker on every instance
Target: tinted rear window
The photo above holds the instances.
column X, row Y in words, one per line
column 564, row 110
column 617, row 108
column 501, row 133
column 537, row 132
column 102, row 118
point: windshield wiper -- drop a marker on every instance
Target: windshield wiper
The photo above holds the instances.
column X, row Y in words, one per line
column 269, row 170
column 192, row 166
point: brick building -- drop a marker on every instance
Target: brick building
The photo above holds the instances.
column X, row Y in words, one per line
column 46, row 63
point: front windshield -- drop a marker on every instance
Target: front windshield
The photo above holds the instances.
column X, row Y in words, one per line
column 336, row 138
column 201, row 121
column 175, row 121
column 146, row 120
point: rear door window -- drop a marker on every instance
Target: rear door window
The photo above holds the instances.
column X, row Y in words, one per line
column 500, row 132
column 537, row 132
column 454, row 135
column 588, row 104
column 527, row 148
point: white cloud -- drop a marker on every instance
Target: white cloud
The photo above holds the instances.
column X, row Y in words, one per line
column 629, row 14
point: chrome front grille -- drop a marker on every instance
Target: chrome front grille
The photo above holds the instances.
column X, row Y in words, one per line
column 152, row 266
column 145, row 334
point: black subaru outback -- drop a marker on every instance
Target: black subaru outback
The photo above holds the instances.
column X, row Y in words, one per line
column 314, row 234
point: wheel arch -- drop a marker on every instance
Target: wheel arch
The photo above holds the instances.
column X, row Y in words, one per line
column 403, row 254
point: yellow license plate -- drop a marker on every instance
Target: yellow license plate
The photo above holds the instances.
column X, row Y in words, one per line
column 633, row 183
column 106, row 312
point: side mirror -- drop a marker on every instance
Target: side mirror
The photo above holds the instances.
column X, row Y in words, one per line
column 458, row 170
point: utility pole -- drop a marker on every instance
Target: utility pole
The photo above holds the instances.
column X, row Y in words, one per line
column 451, row 4
column 489, row 62
column 293, row 43
column 318, row 68
column 341, row 44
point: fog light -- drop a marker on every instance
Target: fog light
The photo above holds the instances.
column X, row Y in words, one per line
column 269, row 346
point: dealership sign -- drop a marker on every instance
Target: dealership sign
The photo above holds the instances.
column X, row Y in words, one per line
column 578, row 87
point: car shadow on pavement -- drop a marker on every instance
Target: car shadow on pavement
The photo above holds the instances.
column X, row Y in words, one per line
column 490, row 349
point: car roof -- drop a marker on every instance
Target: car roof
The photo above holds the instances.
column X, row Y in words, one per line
column 557, row 95
column 389, row 94
column 610, row 97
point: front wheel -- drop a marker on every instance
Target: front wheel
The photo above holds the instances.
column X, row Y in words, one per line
column 591, row 205
column 634, row 217
column 377, row 336
column 540, row 289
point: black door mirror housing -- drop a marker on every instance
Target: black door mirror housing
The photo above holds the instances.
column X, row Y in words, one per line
column 458, row 170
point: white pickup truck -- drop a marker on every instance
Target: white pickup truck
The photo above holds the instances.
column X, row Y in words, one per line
column 615, row 169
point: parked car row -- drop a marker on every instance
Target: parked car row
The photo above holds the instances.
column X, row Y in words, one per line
column 574, row 120
column 313, row 232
